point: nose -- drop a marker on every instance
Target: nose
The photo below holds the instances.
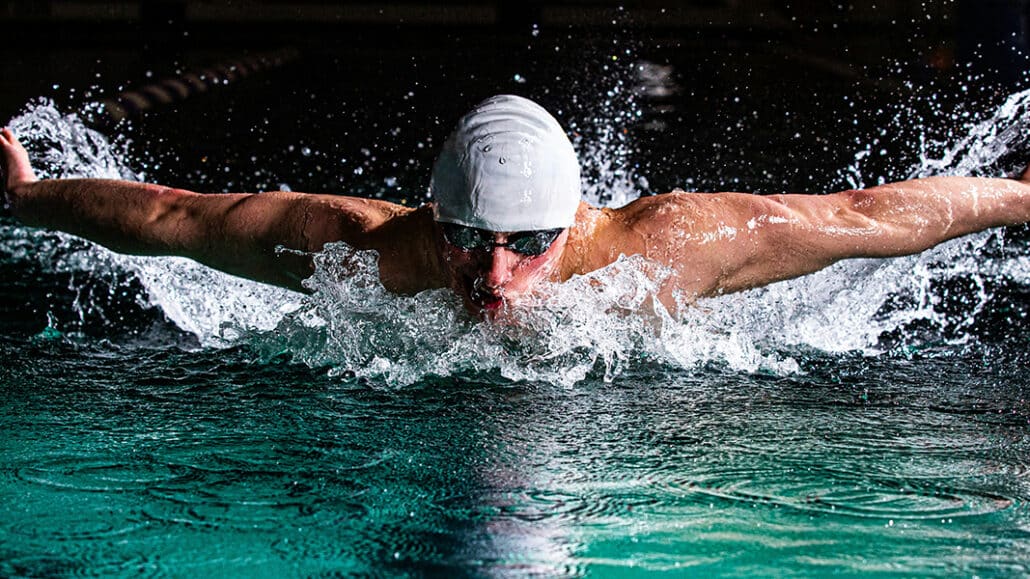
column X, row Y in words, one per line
column 497, row 271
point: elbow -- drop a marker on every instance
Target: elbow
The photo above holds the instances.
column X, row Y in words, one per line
column 168, row 217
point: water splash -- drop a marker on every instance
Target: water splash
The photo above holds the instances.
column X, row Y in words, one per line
column 62, row 146
column 983, row 147
column 601, row 127
column 595, row 324
column 214, row 306
column 958, row 144
column 352, row 324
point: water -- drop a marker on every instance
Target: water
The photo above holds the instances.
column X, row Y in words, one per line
column 164, row 419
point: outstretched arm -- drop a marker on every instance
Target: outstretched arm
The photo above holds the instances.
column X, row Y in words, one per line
column 235, row 232
column 729, row 242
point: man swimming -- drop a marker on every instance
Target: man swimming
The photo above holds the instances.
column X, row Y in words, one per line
column 506, row 214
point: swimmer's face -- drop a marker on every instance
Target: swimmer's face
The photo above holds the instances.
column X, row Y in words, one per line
column 490, row 270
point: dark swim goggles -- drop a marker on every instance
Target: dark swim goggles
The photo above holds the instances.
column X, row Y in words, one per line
column 530, row 243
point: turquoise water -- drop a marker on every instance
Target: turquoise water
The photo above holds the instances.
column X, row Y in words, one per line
column 140, row 461
column 163, row 419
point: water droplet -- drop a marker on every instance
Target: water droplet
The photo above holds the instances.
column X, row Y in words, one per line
column 502, row 160
column 486, row 148
column 306, row 151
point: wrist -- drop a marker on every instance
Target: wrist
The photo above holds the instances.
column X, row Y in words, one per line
column 15, row 195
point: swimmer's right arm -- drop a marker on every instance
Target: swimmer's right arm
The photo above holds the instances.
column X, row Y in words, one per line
column 238, row 233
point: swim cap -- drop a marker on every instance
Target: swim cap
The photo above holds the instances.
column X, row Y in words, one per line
column 508, row 166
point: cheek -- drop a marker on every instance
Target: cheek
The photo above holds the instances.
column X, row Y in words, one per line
column 534, row 267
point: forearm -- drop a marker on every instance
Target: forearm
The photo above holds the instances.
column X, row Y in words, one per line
column 890, row 220
column 912, row 216
column 235, row 232
column 125, row 216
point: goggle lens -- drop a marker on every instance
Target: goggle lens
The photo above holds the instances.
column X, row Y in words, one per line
column 530, row 243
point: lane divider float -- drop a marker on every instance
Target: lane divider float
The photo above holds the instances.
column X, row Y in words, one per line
column 191, row 82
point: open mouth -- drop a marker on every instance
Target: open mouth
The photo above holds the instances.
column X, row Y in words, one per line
column 485, row 299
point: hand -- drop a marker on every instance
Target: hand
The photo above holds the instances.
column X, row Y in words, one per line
column 14, row 164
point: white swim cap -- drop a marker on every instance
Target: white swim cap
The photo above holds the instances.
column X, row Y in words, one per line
column 508, row 166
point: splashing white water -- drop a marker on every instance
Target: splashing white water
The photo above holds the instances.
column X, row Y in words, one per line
column 214, row 306
column 598, row 322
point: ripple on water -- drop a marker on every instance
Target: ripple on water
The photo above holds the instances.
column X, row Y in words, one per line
column 81, row 563
column 849, row 494
column 366, row 545
column 240, row 499
column 591, row 505
column 95, row 474
column 82, row 523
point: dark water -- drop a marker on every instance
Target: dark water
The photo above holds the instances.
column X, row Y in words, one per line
column 134, row 447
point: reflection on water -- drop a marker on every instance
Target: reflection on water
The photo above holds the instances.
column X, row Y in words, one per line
column 203, row 462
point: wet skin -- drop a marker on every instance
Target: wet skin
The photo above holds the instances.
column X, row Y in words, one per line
column 489, row 279
column 713, row 243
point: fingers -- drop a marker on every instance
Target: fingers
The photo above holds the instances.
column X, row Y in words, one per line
column 15, row 166
column 8, row 141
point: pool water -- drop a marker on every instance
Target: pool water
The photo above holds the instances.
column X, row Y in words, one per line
column 162, row 419
column 186, row 463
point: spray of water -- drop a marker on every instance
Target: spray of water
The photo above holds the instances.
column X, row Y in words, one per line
column 597, row 323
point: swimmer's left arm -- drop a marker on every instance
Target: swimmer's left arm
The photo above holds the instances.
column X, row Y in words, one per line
column 786, row 236
column 726, row 242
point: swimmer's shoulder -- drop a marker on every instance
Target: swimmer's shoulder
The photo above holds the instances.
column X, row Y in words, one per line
column 682, row 210
column 645, row 226
column 649, row 207
column 369, row 214
column 354, row 220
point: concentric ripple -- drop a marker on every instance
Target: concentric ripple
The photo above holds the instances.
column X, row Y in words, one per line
column 251, row 500
column 79, row 473
column 848, row 495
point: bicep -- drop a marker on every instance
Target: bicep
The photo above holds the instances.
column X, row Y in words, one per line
column 243, row 234
column 727, row 242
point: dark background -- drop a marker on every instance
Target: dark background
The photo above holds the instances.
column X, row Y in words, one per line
column 764, row 95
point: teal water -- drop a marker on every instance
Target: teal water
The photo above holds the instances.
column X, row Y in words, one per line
column 126, row 462
column 162, row 419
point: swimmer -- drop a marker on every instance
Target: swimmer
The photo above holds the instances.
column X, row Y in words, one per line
column 506, row 215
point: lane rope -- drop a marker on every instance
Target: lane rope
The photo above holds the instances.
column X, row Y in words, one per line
column 173, row 89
